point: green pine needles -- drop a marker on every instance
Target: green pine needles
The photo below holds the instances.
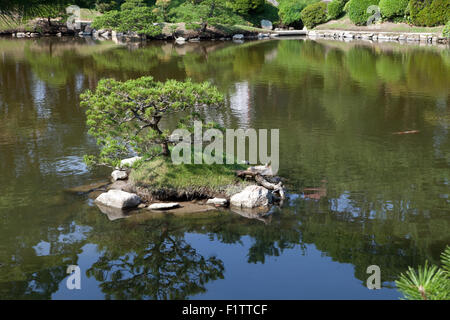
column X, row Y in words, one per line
column 429, row 282
column 124, row 116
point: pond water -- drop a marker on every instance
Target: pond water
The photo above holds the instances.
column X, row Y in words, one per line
column 381, row 198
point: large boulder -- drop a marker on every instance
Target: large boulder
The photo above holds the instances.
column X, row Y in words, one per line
column 252, row 197
column 119, row 175
column 118, row 199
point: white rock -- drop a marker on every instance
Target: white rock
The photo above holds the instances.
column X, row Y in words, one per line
column 217, row 201
column 262, row 170
column 180, row 40
column 119, row 175
column 163, row 206
column 266, row 24
column 20, row 35
column 252, row 197
column 129, row 162
column 238, row 36
column 118, row 199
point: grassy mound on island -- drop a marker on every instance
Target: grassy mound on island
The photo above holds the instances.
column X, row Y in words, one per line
column 161, row 179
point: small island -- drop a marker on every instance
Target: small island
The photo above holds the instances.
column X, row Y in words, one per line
column 125, row 119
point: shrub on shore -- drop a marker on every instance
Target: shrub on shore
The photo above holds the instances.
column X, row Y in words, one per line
column 336, row 8
column 393, row 8
column 247, row 6
column 207, row 12
column 134, row 16
column 290, row 11
column 446, row 31
column 357, row 10
column 314, row 14
column 429, row 13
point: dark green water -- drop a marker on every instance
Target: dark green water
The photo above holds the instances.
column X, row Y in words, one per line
column 383, row 198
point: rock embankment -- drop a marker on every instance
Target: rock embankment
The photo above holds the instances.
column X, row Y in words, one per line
column 120, row 196
column 423, row 38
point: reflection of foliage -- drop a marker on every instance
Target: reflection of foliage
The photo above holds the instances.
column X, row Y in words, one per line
column 154, row 263
column 429, row 283
column 52, row 69
column 362, row 66
column 126, row 60
column 389, row 69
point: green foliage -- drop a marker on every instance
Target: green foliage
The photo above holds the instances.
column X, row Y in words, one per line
column 290, row 11
column 446, row 31
column 314, row 14
column 109, row 20
column 336, row 8
column 134, row 16
column 267, row 12
column 429, row 12
column 357, row 10
column 107, row 5
column 206, row 12
column 247, row 6
column 124, row 116
column 140, row 20
column 393, row 8
column 429, row 283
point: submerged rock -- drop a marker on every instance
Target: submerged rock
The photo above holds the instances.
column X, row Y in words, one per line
column 163, row 206
column 252, row 197
column 119, row 175
column 260, row 213
column 217, row 201
column 118, row 199
column 112, row 213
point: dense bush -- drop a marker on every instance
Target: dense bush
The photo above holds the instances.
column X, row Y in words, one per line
column 207, row 12
column 267, row 12
column 290, row 11
column 336, row 8
column 393, row 8
column 429, row 12
column 135, row 16
column 357, row 10
column 107, row 5
column 247, row 6
column 446, row 31
column 109, row 20
column 314, row 14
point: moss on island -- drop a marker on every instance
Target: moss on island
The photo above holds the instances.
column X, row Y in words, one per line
column 161, row 179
